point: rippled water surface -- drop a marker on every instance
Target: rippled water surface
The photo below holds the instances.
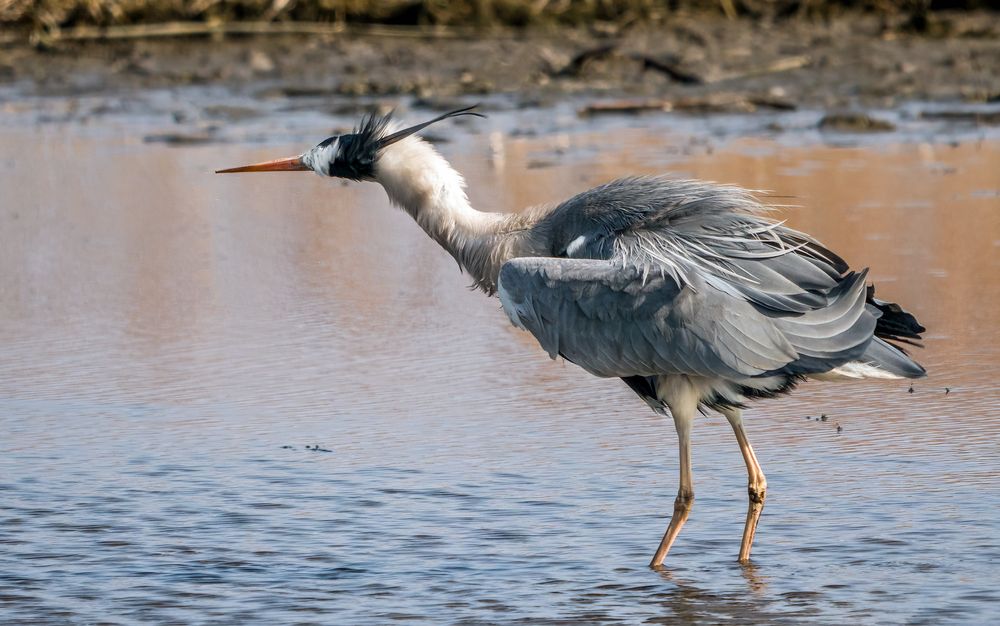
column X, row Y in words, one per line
column 176, row 343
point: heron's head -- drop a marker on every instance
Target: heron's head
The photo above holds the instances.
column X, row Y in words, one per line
column 352, row 156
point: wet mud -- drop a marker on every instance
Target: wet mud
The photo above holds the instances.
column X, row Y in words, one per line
column 704, row 64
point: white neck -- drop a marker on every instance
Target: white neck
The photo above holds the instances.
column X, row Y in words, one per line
column 421, row 182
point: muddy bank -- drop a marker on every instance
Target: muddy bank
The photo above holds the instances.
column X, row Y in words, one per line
column 47, row 15
column 708, row 64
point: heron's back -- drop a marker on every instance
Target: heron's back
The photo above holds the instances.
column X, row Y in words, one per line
column 649, row 276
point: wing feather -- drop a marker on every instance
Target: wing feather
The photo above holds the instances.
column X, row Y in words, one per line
column 658, row 276
column 609, row 320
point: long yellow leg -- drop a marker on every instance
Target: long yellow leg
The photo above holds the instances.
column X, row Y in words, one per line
column 685, row 495
column 756, row 486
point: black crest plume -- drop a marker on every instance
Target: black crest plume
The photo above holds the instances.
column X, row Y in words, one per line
column 406, row 132
column 359, row 150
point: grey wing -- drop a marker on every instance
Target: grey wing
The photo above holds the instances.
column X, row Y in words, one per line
column 820, row 311
column 613, row 321
column 719, row 234
column 621, row 321
column 683, row 276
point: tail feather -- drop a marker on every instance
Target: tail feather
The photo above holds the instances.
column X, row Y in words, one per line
column 891, row 359
column 893, row 327
column 894, row 324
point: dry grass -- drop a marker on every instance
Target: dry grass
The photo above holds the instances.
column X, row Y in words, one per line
column 54, row 14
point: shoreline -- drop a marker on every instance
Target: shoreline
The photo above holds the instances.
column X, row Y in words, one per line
column 713, row 64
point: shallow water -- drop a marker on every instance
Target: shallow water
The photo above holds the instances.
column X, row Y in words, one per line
column 175, row 342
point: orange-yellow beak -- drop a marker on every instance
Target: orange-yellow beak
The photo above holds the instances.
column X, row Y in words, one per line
column 291, row 164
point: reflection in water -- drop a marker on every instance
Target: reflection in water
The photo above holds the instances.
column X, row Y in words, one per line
column 756, row 583
column 174, row 341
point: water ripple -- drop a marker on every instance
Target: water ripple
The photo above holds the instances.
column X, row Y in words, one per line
column 217, row 406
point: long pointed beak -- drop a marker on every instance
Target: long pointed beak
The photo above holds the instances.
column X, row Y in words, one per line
column 290, row 164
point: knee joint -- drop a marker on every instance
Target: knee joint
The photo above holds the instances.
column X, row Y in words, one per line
column 684, row 498
column 757, row 491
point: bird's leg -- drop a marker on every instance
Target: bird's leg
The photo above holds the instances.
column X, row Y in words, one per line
column 757, row 485
column 685, row 495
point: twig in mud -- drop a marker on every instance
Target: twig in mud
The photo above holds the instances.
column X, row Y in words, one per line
column 576, row 64
column 772, row 102
column 670, row 69
column 715, row 103
column 731, row 103
column 785, row 64
column 979, row 118
column 216, row 29
column 625, row 106
column 712, row 103
column 854, row 123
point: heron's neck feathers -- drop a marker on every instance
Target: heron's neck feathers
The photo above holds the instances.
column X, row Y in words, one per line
column 421, row 182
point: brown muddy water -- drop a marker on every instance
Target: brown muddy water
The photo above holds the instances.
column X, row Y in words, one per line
column 176, row 343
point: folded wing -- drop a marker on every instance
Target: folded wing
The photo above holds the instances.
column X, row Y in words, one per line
column 614, row 318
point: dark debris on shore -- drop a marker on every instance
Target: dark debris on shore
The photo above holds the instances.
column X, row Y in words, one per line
column 701, row 65
column 51, row 15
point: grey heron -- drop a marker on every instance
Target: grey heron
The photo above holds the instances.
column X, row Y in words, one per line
column 686, row 290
